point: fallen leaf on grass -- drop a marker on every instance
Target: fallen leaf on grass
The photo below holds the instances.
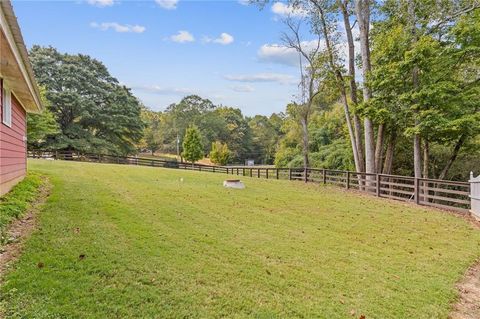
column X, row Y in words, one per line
column 40, row 265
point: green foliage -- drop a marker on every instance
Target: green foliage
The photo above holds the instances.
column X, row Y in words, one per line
column 94, row 112
column 41, row 126
column 153, row 135
column 224, row 124
column 266, row 133
column 442, row 107
column 220, row 154
column 328, row 145
column 15, row 203
column 337, row 155
column 237, row 133
column 192, row 145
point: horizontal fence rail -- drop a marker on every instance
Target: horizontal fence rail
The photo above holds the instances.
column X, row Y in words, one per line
column 450, row 195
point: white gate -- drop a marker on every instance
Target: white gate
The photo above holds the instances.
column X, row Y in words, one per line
column 475, row 195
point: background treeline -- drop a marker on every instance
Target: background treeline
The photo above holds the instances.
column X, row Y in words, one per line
column 246, row 137
column 412, row 109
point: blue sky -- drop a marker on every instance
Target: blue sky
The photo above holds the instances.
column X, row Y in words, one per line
column 166, row 49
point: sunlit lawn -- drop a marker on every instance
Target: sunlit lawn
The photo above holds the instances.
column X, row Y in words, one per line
column 157, row 247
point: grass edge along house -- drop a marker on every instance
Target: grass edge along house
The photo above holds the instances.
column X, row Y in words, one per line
column 19, row 94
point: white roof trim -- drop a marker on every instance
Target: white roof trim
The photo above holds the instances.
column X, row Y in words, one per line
column 18, row 56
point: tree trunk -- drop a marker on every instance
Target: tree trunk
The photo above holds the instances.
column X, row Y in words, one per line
column 417, row 156
column 379, row 148
column 369, row 146
column 387, row 166
column 453, row 157
column 351, row 133
column 417, row 149
column 304, row 122
column 358, row 140
column 340, row 82
column 357, row 134
column 362, row 11
column 426, row 157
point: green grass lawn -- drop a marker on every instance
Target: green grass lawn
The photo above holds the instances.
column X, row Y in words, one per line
column 136, row 242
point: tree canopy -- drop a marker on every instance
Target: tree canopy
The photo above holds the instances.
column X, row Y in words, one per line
column 93, row 111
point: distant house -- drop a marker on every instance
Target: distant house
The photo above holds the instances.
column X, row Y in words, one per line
column 18, row 95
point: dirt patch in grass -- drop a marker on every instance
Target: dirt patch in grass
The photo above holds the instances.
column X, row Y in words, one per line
column 468, row 306
column 20, row 229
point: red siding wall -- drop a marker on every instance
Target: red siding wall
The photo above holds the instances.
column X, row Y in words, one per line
column 13, row 159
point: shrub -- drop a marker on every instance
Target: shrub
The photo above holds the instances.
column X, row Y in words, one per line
column 220, row 154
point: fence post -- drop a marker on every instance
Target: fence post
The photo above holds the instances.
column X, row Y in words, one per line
column 416, row 185
column 377, row 183
column 251, row 172
column 266, row 172
column 258, row 172
column 277, row 173
column 324, row 176
column 213, row 168
column 289, row 174
column 305, row 172
column 475, row 196
column 348, row 179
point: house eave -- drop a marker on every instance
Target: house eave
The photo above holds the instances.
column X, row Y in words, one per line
column 30, row 99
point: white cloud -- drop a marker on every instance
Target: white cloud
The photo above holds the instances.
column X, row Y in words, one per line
column 262, row 78
column 117, row 27
column 283, row 9
column 243, row 88
column 156, row 89
column 101, row 3
column 244, row 2
column 277, row 53
column 167, row 4
column 223, row 39
column 182, row 36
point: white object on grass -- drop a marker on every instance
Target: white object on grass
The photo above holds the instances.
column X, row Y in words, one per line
column 233, row 183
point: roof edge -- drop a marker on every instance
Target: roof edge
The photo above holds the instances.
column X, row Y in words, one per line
column 14, row 29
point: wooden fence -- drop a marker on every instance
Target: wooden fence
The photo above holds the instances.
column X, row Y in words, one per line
column 443, row 194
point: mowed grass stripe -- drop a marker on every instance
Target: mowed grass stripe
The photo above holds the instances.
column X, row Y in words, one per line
column 157, row 247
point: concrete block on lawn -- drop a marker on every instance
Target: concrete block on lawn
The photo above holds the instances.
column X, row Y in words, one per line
column 233, row 183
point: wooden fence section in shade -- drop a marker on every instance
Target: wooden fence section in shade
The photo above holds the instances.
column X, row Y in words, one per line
column 443, row 194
